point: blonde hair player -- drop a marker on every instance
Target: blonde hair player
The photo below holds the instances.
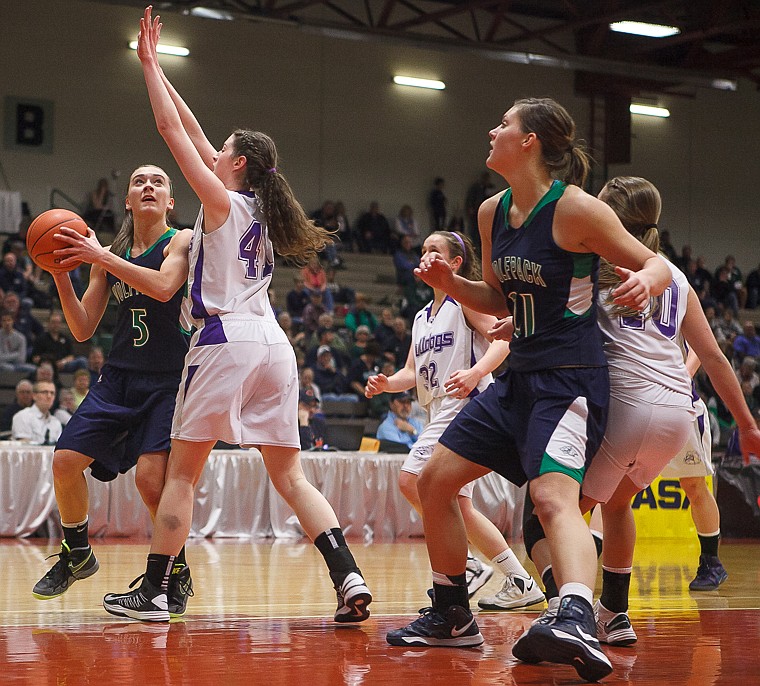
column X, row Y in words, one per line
column 240, row 382
column 449, row 362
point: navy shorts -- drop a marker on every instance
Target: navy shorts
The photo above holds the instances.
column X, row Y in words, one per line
column 125, row 414
column 526, row 424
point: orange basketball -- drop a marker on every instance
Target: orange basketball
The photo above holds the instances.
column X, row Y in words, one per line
column 40, row 241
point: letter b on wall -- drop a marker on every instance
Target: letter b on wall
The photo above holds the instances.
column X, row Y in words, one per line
column 28, row 125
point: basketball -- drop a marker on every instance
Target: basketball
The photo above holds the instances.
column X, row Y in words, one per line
column 41, row 241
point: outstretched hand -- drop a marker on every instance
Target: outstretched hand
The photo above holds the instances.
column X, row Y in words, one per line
column 634, row 291
column 150, row 32
column 435, row 271
column 749, row 442
column 81, row 248
column 376, row 384
column 502, row 329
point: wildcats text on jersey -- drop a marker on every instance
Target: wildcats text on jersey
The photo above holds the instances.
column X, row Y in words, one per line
column 435, row 342
column 121, row 291
column 512, row 267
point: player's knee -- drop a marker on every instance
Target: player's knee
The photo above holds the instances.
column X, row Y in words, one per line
column 67, row 466
column 407, row 484
column 149, row 490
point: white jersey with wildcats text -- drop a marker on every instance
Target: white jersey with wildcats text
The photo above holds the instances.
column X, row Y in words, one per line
column 648, row 346
column 230, row 271
column 443, row 344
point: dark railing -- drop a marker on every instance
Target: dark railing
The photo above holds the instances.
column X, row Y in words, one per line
column 58, row 193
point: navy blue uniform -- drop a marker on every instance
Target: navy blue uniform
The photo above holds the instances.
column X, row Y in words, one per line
column 129, row 411
column 549, row 409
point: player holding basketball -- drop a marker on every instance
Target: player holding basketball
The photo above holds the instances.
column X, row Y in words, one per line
column 651, row 414
column 125, row 419
column 451, row 361
column 240, row 382
column 544, row 418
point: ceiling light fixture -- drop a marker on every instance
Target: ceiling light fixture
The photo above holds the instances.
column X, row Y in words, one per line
column 650, row 110
column 419, row 83
column 640, row 28
column 164, row 49
column 210, row 13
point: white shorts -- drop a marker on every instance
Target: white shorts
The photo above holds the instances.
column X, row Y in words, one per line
column 441, row 412
column 695, row 458
column 641, row 438
column 241, row 392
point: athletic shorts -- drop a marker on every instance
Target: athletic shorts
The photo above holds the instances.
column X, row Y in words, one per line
column 441, row 413
column 124, row 415
column 240, row 392
column 641, row 439
column 695, row 458
column 526, row 424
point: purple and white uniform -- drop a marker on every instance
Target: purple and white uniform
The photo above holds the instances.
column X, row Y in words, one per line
column 443, row 344
column 240, row 382
column 651, row 411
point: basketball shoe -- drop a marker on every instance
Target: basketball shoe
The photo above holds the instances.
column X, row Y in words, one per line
column 146, row 603
column 476, row 575
column 517, row 591
column 73, row 564
column 353, row 599
column 180, row 589
column 613, row 628
column 570, row 639
column 456, row 627
column 710, row 574
column 522, row 649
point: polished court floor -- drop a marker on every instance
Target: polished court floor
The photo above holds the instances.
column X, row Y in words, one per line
column 262, row 614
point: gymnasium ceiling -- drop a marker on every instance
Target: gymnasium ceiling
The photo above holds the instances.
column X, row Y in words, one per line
column 719, row 40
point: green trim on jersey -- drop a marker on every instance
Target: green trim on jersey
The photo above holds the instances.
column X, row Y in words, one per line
column 554, row 193
column 169, row 230
column 583, row 264
column 550, row 465
column 581, row 286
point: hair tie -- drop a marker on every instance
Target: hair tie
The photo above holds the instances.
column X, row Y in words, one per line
column 461, row 243
column 650, row 226
column 273, row 170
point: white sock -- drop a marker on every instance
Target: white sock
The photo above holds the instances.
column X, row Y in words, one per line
column 508, row 564
column 575, row 588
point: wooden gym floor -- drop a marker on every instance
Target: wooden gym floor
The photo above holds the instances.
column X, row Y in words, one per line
column 262, row 614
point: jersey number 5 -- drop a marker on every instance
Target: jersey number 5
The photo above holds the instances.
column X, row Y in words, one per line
column 138, row 323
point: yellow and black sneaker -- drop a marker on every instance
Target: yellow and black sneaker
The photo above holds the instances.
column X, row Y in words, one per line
column 180, row 589
column 73, row 564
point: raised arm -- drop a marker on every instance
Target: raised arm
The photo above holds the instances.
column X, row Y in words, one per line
column 482, row 296
column 83, row 316
column 209, row 188
column 159, row 284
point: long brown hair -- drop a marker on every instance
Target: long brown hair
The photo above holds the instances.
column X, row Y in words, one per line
column 637, row 204
column 125, row 236
column 461, row 246
column 292, row 233
column 565, row 157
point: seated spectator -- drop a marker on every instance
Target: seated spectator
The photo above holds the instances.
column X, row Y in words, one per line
column 378, row 405
column 327, row 218
column 362, row 368
column 327, row 337
column 753, row 288
column 37, row 283
column 95, row 361
column 297, row 338
column 360, row 314
column 730, row 327
column 306, row 383
column 12, row 278
column 35, row 424
column 343, row 296
column 66, row 407
column 683, row 261
column 24, row 399
column 23, row 320
column 54, row 345
column 714, row 322
column 747, row 374
column 81, row 386
column 702, row 274
column 297, row 299
column 46, row 371
column 332, row 384
column 362, row 337
column 338, row 342
column 405, row 260
column 373, row 231
column 312, row 427
column 12, row 347
column 406, row 225
column 722, row 290
column 747, row 343
column 735, row 279
column 397, row 349
column 312, row 312
column 315, row 279
column 399, row 426
column 384, row 329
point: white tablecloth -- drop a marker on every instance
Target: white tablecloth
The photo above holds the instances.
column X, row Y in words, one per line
column 235, row 498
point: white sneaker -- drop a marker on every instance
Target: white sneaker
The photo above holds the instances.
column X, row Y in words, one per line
column 353, row 599
column 477, row 575
column 518, row 591
column 613, row 628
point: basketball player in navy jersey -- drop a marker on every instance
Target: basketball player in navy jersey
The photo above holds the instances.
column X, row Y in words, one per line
column 240, row 382
column 543, row 419
column 125, row 419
